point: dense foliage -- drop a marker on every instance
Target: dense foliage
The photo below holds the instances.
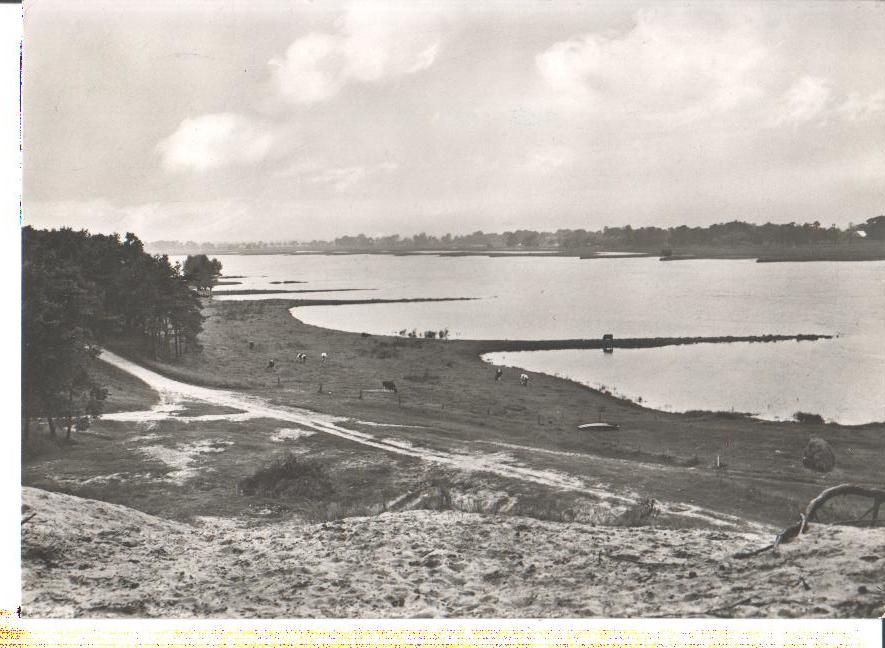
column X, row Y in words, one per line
column 201, row 271
column 80, row 290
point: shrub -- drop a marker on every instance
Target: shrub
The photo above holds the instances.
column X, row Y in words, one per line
column 287, row 476
column 807, row 417
column 818, row 455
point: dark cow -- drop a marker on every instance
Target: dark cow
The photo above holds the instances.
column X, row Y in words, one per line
column 388, row 385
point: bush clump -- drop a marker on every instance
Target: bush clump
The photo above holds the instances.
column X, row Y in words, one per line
column 819, row 456
column 807, row 417
column 287, row 476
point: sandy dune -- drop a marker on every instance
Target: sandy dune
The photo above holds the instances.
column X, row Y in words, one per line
column 88, row 558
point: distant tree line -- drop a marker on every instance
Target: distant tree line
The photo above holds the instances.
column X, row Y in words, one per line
column 733, row 234
column 81, row 290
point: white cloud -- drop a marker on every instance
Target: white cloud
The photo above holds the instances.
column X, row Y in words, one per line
column 344, row 178
column 213, row 141
column 371, row 43
column 673, row 63
column 807, row 99
column 339, row 178
column 194, row 220
column 856, row 107
column 813, row 99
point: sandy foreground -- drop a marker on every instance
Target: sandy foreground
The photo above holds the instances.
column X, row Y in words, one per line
column 87, row 558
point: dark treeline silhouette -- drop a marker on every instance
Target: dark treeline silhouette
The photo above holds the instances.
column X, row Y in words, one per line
column 81, row 290
column 731, row 235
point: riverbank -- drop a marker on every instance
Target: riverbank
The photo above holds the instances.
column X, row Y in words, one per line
column 445, row 388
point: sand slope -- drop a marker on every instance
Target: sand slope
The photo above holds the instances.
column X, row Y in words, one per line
column 89, row 558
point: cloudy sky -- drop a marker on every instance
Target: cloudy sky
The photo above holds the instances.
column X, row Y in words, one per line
column 190, row 119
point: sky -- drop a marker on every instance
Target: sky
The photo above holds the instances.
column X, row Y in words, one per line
column 266, row 120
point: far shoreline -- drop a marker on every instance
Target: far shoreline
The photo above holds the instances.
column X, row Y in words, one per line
column 855, row 252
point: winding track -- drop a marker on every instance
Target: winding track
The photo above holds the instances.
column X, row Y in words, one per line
column 173, row 391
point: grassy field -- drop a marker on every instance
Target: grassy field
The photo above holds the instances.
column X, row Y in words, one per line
column 446, row 389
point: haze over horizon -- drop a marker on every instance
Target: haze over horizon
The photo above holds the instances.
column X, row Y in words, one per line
column 267, row 120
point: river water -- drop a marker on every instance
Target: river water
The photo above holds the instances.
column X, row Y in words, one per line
column 555, row 298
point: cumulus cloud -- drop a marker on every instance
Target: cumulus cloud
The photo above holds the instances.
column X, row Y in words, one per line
column 672, row 63
column 212, row 141
column 371, row 43
column 813, row 99
column 807, row 99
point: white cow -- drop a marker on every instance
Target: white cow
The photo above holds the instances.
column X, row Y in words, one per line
column 524, row 380
column 323, row 356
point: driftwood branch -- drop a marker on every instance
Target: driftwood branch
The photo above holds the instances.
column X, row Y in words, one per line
column 28, row 518
column 794, row 530
column 875, row 494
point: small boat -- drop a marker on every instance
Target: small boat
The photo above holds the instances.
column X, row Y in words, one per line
column 599, row 426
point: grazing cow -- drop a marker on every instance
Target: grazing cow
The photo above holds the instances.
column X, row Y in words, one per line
column 301, row 357
column 499, row 373
column 271, row 364
column 323, row 356
column 524, row 380
column 388, row 385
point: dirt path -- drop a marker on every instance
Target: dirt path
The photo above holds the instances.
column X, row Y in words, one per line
column 462, row 457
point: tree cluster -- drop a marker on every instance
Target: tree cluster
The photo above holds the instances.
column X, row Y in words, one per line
column 201, row 272
column 81, row 290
